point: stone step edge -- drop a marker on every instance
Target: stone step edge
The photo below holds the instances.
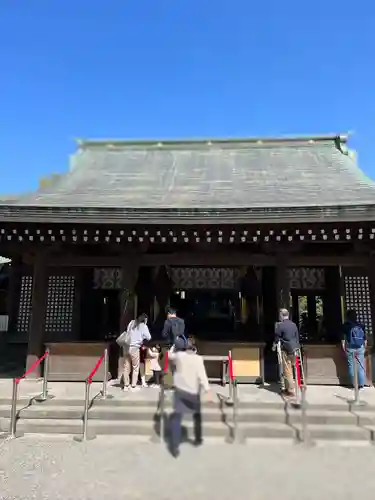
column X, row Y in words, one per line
column 209, row 410
column 243, row 405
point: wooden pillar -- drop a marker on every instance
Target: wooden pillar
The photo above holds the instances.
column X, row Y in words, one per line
column 129, row 280
column 371, row 277
column 163, row 290
column 38, row 313
column 130, row 271
column 283, row 285
column 15, row 276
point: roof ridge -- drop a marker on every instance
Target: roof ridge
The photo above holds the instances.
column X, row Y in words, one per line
column 289, row 139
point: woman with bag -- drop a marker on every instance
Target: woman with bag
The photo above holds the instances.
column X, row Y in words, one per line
column 131, row 341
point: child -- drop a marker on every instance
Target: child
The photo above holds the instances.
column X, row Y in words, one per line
column 142, row 365
column 154, row 354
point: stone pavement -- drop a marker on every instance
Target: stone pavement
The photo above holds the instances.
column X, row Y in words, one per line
column 324, row 395
column 117, row 468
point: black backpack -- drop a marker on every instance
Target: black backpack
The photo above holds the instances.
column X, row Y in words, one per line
column 178, row 330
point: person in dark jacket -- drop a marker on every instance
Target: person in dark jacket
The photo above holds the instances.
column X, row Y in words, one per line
column 286, row 332
column 174, row 328
column 354, row 344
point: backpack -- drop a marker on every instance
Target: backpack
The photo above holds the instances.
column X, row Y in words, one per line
column 178, row 330
column 356, row 336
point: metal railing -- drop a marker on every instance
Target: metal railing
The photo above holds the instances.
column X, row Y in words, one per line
column 103, row 393
column 301, row 399
column 233, row 397
column 162, row 400
column 13, row 433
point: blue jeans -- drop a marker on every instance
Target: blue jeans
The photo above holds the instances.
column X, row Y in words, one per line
column 360, row 353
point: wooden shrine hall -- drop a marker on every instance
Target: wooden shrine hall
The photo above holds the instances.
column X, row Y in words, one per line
column 226, row 231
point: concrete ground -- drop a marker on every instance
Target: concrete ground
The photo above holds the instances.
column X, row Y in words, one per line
column 324, row 395
column 115, row 468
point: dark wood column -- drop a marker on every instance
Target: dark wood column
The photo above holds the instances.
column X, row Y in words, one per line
column 163, row 290
column 38, row 313
column 130, row 270
column 371, row 277
column 282, row 281
column 14, row 289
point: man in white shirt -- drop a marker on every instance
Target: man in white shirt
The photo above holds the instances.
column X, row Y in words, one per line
column 188, row 379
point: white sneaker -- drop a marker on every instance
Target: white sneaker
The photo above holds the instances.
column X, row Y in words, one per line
column 145, row 385
column 126, row 388
column 134, row 389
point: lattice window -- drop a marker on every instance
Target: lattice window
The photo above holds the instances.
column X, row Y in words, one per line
column 25, row 303
column 357, row 296
column 60, row 304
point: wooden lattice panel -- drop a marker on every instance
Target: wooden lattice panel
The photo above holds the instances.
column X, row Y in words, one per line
column 60, row 304
column 24, row 308
column 357, row 296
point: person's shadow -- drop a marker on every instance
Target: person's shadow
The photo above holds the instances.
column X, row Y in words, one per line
column 163, row 425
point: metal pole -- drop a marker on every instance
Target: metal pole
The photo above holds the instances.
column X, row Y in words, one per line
column 85, row 436
column 296, row 382
column 161, row 412
column 45, row 375
column 45, row 394
column 230, row 389
column 104, row 391
column 105, row 379
column 356, row 387
column 303, row 415
column 13, row 411
column 281, row 369
column 235, row 413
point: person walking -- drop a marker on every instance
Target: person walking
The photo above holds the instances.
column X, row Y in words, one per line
column 137, row 333
column 189, row 378
column 286, row 332
column 174, row 328
column 354, row 344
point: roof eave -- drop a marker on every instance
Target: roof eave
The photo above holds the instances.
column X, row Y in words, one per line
column 274, row 215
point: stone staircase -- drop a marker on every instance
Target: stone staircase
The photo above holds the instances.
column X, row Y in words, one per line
column 138, row 417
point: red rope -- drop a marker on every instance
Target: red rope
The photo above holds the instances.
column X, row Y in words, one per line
column 166, row 363
column 231, row 371
column 32, row 368
column 89, row 378
column 298, row 371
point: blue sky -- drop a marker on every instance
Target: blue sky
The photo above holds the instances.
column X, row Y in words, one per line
column 179, row 68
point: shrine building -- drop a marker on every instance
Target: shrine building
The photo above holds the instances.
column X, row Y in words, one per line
column 226, row 231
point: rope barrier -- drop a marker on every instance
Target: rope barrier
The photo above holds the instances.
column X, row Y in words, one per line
column 298, row 372
column 32, row 367
column 166, row 362
column 97, row 366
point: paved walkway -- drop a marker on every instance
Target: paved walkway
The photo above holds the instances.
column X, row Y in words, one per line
column 323, row 395
column 114, row 468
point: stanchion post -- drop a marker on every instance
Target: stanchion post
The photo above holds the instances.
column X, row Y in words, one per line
column 235, row 412
column 13, row 434
column 303, row 415
column 85, row 436
column 296, row 378
column 104, row 391
column 280, row 366
column 13, row 411
column 45, row 394
column 356, row 386
column 161, row 413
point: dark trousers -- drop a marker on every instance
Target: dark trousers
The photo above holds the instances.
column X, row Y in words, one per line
column 156, row 375
column 185, row 403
